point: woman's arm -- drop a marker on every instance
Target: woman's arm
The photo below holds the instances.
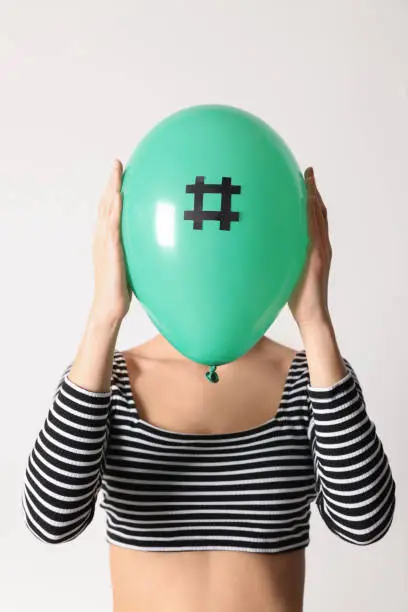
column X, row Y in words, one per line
column 355, row 487
column 64, row 469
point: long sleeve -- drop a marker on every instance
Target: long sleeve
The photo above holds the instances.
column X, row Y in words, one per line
column 355, row 487
column 63, row 474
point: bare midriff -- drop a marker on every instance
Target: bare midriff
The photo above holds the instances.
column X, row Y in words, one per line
column 206, row 581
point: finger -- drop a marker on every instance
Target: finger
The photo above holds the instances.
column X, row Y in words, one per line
column 324, row 237
column 117, row 175
column 321, row 224
column 112, row 187
column 312, row 218
column 319, row 228
column 311, row 200
column 327, row 231
column 116, row 209
column 309, row 174
column 309, row 180
column 317, row 220
column 322, row 206
column 314, row 189
column 115, row 178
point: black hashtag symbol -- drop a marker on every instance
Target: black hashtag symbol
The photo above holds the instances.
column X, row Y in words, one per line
column 225, row 215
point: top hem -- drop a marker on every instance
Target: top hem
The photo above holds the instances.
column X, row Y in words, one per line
column 282, row 549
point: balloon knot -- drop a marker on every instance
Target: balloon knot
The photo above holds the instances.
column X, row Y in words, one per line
column 212, row 375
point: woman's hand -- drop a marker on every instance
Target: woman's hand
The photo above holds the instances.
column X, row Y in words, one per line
column 112, row 295
column 309, row 301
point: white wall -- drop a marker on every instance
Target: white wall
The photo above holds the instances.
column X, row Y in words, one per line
column 81, row 82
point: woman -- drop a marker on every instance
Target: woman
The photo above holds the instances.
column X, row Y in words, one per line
column 221, row 476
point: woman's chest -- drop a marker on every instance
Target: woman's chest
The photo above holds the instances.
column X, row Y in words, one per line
column 182, row 400
column 226, row 484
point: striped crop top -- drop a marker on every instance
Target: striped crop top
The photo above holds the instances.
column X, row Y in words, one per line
column 248, row 491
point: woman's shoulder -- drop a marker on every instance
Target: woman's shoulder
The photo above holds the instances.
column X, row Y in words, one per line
column 277, row 355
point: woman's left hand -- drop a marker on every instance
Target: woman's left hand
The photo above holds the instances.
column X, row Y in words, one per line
column 309, row 301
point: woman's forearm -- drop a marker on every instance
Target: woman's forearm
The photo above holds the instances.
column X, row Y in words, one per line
column 92, row 366
column 326, row 365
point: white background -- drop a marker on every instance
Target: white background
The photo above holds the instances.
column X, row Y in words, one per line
column 81, row 82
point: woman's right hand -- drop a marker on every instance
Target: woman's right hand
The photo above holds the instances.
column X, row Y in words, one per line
column 112, row 294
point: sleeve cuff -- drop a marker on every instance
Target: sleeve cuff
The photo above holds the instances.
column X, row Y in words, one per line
column 337, row 387
column 81, row 390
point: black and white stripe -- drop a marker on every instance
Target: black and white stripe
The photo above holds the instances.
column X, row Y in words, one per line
column 64, row 470
column 356, row 491
column 249, row 491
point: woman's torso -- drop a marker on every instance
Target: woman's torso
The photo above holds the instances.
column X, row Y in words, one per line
column 173, row 394
column 204, row 581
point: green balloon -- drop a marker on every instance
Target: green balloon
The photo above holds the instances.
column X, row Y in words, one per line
column 214, row 229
